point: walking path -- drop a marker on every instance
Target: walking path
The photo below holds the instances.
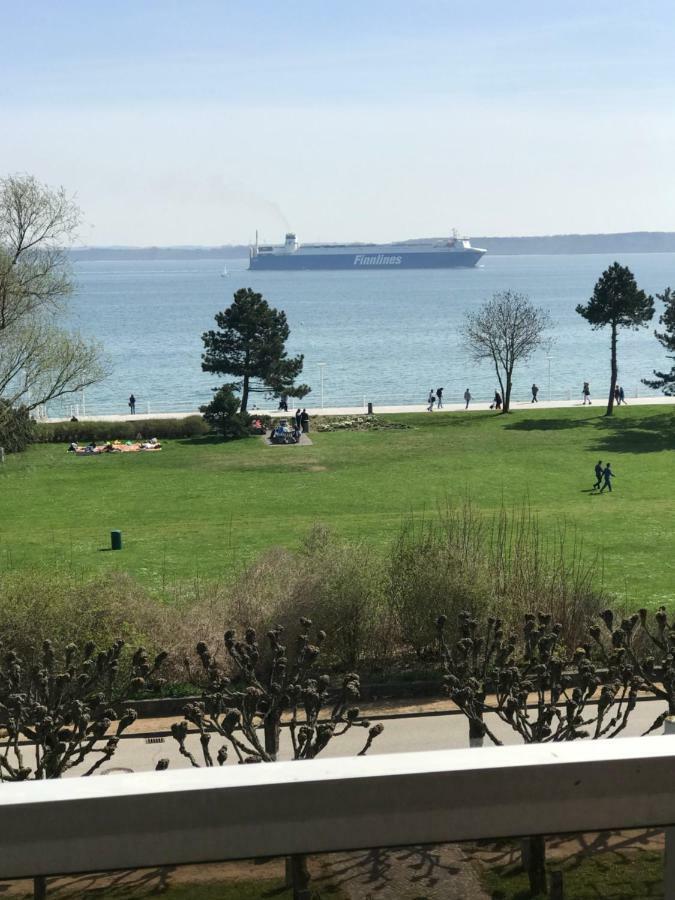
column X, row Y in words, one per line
column 381, row 409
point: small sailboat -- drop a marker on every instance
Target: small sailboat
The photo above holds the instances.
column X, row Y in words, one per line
column 224, row 273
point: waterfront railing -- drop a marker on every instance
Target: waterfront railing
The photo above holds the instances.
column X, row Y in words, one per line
column 81, row 407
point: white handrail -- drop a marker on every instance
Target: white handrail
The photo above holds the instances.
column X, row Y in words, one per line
column 234, row 812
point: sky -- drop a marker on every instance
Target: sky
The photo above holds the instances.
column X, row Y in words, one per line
column 200, row 122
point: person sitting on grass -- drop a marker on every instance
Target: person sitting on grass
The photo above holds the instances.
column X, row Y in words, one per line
column 73, row 447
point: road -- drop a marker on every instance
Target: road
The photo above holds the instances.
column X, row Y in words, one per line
column 400, row 735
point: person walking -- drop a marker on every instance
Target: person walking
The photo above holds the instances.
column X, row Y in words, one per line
column 498, row 400
column 586, row 391
column 467, row 398
column 622, row 396
column 439, row 398
column 304, row 421
column 430, row 400
column 132, row 405
column 598, row 475
column 535, row 391
column 617, row 395
column 607, row 474
column 283, row 403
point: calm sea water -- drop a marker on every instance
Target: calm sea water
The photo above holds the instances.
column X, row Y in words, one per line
column 385, row 336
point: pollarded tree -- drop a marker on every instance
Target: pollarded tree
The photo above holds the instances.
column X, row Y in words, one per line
column 39, row 360
column 535, row 686
column 505, row 331
column 644, row 650
column 617, row 301
column 250, row 344
column 244, row 705
column 258, row 689
column 665, row 381
column 58, row 711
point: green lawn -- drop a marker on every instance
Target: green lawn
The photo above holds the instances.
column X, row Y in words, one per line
column 200, row 507
column 600, row 876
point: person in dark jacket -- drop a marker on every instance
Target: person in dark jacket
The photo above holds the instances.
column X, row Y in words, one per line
column 607, row 474
column 298, row 418
column 304, row 421
column 598, row 475
column 439, row 398
column 132, row 405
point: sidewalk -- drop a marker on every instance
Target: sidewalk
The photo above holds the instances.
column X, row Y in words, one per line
column 381, row 409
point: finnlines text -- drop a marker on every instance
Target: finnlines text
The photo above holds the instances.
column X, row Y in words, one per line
column 379, row 260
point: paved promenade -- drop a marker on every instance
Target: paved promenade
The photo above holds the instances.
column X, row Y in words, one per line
column 378, row 409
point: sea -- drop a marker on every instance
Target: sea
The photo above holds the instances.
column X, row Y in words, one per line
column 386, row 337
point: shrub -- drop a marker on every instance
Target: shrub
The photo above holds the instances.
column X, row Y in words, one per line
column 338, row 583
column 435, row 568
column 17, row 429
column 223, row 416
column 65, row 432
column 104, row 609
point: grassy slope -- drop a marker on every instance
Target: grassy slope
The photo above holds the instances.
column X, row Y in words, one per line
column 201, row 506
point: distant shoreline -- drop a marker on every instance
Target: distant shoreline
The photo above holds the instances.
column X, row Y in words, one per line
column 624, row 242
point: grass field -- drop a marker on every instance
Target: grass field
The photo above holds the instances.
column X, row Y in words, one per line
column 201, row 507
column 601, row 876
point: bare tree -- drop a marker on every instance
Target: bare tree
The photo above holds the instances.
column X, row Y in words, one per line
column 506, row 330
column 39, row 360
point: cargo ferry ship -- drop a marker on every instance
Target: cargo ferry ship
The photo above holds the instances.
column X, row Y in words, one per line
column 452, row 253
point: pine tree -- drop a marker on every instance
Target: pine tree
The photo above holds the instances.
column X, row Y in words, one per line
column 617, row 301
column 665, row 381
column 250, row 344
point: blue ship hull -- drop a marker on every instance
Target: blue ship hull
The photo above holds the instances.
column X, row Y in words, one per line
column 360, row 261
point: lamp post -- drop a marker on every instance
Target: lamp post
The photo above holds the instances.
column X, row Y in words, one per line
column 549, row 358
column 322, row 366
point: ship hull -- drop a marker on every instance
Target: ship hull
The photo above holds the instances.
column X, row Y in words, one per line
column 364, row 261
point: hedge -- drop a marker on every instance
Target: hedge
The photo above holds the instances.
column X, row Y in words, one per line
column 66, row 432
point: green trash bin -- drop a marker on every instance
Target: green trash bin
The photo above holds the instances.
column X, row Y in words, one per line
column 115, row 540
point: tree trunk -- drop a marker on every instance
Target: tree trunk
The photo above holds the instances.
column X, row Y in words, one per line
column 614, row 374
column 244, row 395
column 507, row 394
column 533, row 850
column 40, row 887
column 476, row 733
column 272, row 730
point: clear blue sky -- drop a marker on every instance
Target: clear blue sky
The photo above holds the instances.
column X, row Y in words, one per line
column 198, row 122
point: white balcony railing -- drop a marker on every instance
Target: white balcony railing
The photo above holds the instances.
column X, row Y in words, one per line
column 235, row 812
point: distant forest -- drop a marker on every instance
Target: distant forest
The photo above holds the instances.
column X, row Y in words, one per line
column 627, row 242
